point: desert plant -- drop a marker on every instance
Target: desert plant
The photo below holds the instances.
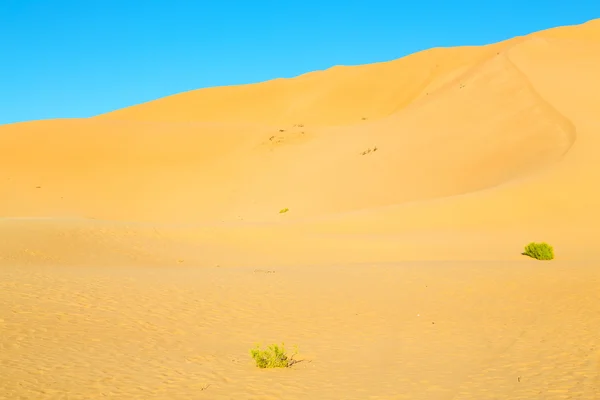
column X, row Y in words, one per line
column 539, row 251
column 284, row 210
column 274, row 356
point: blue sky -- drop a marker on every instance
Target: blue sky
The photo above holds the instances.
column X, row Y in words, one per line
column 79, row 58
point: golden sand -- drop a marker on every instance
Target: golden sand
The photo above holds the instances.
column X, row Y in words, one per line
column 138, row 246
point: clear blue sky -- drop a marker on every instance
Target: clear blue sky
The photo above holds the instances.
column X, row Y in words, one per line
column 78, row 58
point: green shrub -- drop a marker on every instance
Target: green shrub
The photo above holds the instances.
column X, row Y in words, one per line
column 539, row 251
column 284, row 210
column 273, row 356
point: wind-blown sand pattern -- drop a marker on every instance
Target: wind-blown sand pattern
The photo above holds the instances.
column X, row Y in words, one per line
column 143, row 253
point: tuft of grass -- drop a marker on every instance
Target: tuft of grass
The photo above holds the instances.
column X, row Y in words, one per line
column 284, row 210
column 274, row 356
column 539, row 251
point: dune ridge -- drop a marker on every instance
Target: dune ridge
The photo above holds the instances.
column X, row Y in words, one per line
column 490, row 138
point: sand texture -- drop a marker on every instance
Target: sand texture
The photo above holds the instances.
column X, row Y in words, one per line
column 143, row 251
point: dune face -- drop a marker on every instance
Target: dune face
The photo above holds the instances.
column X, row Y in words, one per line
column 434, row 170
column 488, row 140
column 443, row 122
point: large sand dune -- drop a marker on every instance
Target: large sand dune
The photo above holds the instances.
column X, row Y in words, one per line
column 457, row 154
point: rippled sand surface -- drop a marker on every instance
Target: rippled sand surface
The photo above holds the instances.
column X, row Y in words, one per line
column 440, row 330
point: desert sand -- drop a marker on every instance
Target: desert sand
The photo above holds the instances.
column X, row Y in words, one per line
column 143, row 251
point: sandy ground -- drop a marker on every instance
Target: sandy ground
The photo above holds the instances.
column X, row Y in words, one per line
column 136, row 245
column 422, row 330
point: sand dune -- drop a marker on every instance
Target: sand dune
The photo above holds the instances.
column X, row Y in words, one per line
column 451, row 154
column 491, row 137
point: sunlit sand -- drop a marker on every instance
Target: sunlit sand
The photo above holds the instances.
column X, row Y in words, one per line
column 143, row 251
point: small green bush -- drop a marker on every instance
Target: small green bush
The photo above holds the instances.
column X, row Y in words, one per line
column 284, row 210
column 274, row 356
column 539, row 251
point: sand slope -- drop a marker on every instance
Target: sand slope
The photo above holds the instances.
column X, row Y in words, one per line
column 412, row 186
column 500, row 137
